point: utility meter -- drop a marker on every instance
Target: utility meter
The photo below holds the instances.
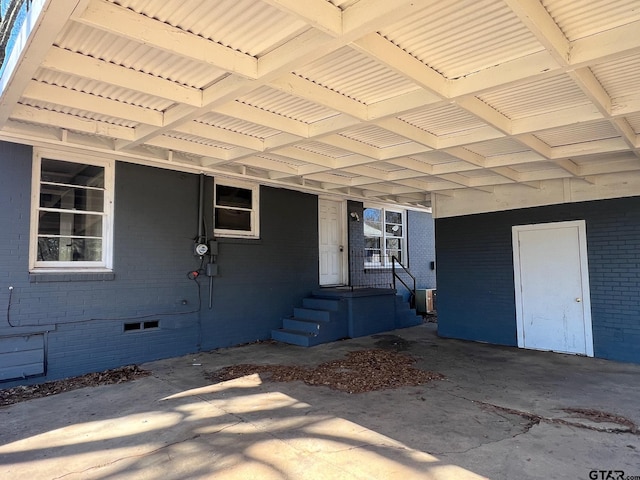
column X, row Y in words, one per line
column 201, row 249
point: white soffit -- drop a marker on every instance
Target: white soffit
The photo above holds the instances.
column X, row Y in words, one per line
column 356, row 76
column 386, row 101
column 582, row 18
column 577, row 134
column 536, row 98
column 457, row 38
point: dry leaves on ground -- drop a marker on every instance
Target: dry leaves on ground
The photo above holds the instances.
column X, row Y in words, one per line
column 361, row 371
column 599, row 416
column 21, row 393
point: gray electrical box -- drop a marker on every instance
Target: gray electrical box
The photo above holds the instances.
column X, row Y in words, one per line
column 212, row 270
column 213, row 247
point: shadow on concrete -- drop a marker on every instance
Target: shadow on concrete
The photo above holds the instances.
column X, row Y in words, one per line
column 175, row 424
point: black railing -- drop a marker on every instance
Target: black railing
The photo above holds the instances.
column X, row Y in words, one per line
column 394, row 272
column 379, row 271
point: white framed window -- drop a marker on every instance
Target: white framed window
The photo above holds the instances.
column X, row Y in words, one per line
column 384, row 236
column 236, row 209
column 71, row 213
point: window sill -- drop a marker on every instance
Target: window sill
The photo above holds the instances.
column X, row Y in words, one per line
column 61, row 276
column 240, row 240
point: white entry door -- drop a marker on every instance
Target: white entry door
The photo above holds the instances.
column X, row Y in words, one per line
column 331, row 242
column 553, row 305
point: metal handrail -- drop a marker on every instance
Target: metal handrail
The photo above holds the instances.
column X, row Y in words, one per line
column 412, row 299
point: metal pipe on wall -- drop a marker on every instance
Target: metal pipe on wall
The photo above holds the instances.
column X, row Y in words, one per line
column 200, row 207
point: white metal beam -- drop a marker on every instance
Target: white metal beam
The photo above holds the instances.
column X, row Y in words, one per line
column 45, row 19
column 65, row 61
column 44, row 92
column 126, row 23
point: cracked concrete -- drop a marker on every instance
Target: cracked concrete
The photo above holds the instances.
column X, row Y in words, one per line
column 500, row 413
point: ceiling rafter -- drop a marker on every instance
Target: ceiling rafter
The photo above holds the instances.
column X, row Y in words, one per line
column 319, row 14
column 19, row 69
column 389, row 54
column 203, row 150
column 307, row 156
column 66, row 97
column 608, row 145
column 407, row 130
column 221, row 135
column 262, row 117
column 65, row 61
column 485, row 112
column 533, row 14
column 335, row 141
column 605, row 46
column 41, row 116
column 123, row 22
column 627, row 132
column 301, row 87
column 590, row 85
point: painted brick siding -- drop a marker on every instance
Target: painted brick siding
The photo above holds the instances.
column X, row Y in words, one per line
column 476, row 299
column 260, row 281
column 475, row 280
column 84, row 314
column 15, row 201
column 422, row 248
column 356, row 241
column 155, row 222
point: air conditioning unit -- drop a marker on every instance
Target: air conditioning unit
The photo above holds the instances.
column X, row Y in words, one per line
column 426, row 300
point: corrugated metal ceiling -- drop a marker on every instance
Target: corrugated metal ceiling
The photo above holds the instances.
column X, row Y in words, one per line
column 375, row 136
column 356, row 76
column 281, row 103
column 581, row 18
column 444, row 95
column 247, row 26
column 457, row 38
column 620, row 77
column 535, row 98
column 445, row 120
column 576, row 134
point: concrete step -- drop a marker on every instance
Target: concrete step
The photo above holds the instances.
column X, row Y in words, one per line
column 408, row 320
column 296, row 337
column 312, row 314
column 301, row 325
column 405, row 315
column 315, row 303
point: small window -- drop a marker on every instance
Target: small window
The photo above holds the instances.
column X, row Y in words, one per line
column 236, row 209
column 71, row 213
column 384, row 237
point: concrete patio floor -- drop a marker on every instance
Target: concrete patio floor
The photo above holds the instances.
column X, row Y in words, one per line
column 498, row 414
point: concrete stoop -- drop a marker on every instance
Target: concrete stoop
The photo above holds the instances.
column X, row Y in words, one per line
column 333, row 314
column 319, row 320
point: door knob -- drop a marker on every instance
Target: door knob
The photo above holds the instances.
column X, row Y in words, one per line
column 578, row 299
column 341, row 248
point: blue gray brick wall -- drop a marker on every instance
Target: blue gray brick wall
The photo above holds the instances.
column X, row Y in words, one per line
column 260, row 281
column 422, row 248
column 155, row 223
column 355, row 230
column 476, row 299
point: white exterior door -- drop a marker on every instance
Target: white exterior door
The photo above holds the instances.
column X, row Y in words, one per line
column 552, row 287
column 331, row 242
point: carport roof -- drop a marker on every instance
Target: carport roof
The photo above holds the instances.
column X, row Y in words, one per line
column 372, row 99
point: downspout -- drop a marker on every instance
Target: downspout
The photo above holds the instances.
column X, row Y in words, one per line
column 200, row 209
